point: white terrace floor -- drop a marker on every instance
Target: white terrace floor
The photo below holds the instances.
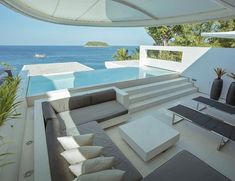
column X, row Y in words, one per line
column 198, row 141
column 192, row 138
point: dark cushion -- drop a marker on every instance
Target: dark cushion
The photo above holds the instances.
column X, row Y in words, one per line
column 110, row 149
column 233, row 135
column 48, row 112
column 100, row 112
column 184, row 166
column 59, row 167
column 204, row 120
column 79, row 101
column 71, row 103
column 103, row 96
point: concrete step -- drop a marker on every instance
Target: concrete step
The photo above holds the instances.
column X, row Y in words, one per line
column 158, row 92
column 155, row 86
column 160, row 99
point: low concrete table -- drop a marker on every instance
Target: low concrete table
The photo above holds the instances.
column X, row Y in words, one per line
column 148, row 136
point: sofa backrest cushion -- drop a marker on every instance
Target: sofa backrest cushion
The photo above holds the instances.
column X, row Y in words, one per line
column 76, row 102
column 71, row 103
column 48, row 112
column 59, row 167
column 79, row 101
column 103, row 96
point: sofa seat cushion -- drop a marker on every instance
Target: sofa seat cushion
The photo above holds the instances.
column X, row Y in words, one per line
column 110, row 150
column 99, row 112
column 184, row 167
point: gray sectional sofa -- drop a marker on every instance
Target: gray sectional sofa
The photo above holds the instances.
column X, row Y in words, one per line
column 98, row 106
column 86, row 114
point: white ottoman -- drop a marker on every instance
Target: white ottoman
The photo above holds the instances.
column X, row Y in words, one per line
column 148, row 137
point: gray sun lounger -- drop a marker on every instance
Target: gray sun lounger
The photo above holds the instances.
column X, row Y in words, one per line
column 215, row 104
column 208, row 122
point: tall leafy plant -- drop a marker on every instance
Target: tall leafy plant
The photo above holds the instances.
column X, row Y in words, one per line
column 8, row 99
column 232, row 75
column 8, row 105
column 219, row 72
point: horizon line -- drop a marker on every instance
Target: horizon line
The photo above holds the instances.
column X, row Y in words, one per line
column 56, row 45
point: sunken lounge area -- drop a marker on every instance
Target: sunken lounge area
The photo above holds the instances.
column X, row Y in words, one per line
column 93, row 136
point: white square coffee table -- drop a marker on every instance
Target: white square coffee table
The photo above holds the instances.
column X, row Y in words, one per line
column 148, row 136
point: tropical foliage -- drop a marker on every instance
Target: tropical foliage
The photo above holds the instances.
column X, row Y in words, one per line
column 175, row 56
column 123, row 54
column 6, row 66
column 190, row 34
column 232, row 75
column 8, row 99
column 8, row 105
column 220, row 72
column 135, row 54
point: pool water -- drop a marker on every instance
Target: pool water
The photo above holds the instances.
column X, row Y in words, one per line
column 44, row 83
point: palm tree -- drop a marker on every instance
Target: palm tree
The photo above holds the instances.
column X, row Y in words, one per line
column 136, row 54
column 121, row 54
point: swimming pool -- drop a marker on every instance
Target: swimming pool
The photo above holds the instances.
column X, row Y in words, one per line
column 44, row 83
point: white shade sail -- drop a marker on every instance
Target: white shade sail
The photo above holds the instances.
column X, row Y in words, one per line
column 123, row 12
column 229, row 35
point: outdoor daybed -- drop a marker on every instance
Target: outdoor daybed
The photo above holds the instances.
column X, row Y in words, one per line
column 215, row 104
column 227, row 131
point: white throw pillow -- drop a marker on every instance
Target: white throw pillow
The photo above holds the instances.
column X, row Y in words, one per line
column 105, row 175
column 71, row 142
column 82, row 153
column 92, row 165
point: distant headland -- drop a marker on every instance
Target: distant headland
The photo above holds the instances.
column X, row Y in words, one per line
column 96, row 44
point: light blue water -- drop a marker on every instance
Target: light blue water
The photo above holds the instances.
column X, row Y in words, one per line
column 42, row 84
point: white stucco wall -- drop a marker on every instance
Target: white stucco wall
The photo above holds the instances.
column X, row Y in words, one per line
column 197, row 63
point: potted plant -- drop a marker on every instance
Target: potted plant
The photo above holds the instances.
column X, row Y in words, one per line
column 230, row 98
column 217, row 85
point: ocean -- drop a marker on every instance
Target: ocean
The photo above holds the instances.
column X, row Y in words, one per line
column 94, row 57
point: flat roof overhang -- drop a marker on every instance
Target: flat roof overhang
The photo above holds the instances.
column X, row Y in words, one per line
column 227, row 35
column 123, row 13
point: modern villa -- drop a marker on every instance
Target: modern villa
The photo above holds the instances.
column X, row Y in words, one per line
column 148, row 119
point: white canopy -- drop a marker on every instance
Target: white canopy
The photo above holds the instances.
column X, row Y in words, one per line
column 123, row 12
column 230, row 34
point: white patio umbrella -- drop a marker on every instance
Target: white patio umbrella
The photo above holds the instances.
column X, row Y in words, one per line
column 123, row 12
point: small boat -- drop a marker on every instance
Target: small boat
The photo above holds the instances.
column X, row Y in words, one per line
column 39, row 55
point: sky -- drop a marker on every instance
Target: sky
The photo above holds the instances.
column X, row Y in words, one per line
column 17, row 29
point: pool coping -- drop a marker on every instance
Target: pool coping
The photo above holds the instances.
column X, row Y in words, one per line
column 120, row 85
